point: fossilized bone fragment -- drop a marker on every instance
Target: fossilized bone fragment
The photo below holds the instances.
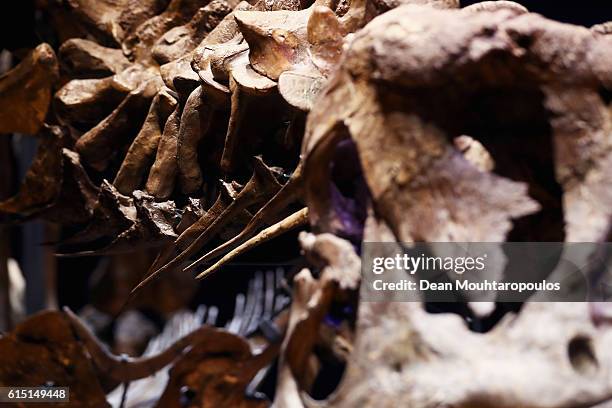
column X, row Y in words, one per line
column 384, row 112
column 44, row 348
column 225, row 198
column 261, row 187
column 86, row 58
column 312, row 299
column 98, row 145
column 162, row 177
column 123, row 370
column 399, row 346
column 604, row 28
column 43, row 180
column 274, row 49
column 496, row 5
column 178, row 41
column 295, row 220
column 141, row 153
column 85, row 102
column 267, row 214
column 195, row 121
column 25, row 91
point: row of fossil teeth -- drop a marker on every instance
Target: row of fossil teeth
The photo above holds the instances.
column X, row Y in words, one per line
column 209, row 77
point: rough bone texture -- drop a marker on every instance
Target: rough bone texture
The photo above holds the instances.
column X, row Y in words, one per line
column 403, row 96
column 176, row 125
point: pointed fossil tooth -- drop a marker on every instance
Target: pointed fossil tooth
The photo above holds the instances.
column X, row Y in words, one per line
column 85, row 58
column 195, row 121
column 225, row 198
column 141, row 153
column 293, row 221
column 25, row 92
column 98, row 145
column 162, row 176
column 261, row 186
column 266, row 215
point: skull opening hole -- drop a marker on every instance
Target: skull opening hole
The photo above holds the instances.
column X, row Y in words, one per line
column 336, row 336
column 582, row 356
column 606, row 95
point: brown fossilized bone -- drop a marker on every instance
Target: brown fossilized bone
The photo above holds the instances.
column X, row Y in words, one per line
column 168, row 97
column 136, row 112
column 390, row 180
column 25, row 91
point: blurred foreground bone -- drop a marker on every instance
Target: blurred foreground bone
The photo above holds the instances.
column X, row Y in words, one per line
column 403, row 93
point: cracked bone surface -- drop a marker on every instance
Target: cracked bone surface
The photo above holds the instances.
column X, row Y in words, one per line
column 384, row 100
column 177, row 125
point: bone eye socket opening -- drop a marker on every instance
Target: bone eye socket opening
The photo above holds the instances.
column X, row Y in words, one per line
column 581, row 355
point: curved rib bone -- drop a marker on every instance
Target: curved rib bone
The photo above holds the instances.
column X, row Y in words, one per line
column 225, row 198
column 128, row 369
column 293, row 221
column 267, row 214
column 259, row 189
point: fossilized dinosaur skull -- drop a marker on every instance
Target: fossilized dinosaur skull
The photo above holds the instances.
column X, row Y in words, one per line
column 385, row 159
